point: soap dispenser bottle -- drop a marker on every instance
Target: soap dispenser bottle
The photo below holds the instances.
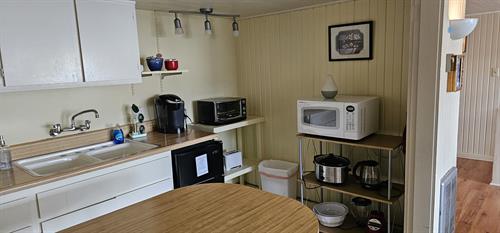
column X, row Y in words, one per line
column 5, row 157
column 118, row 137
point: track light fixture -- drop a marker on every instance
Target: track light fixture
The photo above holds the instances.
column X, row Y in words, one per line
column 178, row 26
column 236, row 28
column 208, row 25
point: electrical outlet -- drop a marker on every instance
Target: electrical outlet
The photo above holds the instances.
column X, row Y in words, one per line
column 495, row 72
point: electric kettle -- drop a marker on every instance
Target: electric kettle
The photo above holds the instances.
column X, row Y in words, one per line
column 367, row 172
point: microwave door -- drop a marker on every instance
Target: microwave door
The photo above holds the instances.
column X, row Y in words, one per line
column 321, row 121
column 321, row 118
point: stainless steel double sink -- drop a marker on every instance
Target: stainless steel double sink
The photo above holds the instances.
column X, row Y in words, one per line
column 50, row 164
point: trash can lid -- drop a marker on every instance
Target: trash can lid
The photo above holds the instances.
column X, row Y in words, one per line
column 278, row 168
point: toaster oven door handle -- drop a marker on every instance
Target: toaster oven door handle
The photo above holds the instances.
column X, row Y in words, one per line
column 231, row 118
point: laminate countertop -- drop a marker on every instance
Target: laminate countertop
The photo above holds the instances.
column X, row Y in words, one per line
column 17, row 179
column 208, row 208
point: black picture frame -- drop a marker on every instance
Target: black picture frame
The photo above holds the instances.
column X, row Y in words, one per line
column 350, row 57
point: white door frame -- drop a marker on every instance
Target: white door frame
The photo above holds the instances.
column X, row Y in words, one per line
column 423, row 93
column 495, row 180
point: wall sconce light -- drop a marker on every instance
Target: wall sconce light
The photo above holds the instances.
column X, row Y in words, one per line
column 460, row 28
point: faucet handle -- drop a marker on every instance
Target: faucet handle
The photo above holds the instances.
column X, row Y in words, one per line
column 86, row 126
column 56, row 130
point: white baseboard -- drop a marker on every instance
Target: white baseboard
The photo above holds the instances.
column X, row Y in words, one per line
column 488, row 158
column 495, row 184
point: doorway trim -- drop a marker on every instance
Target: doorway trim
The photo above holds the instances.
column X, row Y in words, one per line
column 422, row 118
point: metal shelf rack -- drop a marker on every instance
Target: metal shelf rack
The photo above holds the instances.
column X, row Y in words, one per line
column 381, row 142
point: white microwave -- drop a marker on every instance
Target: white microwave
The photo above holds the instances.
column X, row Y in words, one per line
column 346, row 117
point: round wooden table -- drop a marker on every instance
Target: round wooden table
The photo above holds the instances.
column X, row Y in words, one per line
column 208, row 208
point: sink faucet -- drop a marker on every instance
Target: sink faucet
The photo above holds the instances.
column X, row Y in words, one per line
column 58, row 129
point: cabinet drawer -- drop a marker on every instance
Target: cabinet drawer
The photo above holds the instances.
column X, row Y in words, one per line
column 17, row 215
column 86, row 214
column 88, row 192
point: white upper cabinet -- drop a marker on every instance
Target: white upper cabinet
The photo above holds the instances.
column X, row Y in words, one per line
column 109, row 43
column 39, row 43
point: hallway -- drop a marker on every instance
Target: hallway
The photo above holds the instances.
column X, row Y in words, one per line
column 478, row 203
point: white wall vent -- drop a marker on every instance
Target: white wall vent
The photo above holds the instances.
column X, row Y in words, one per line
column 447, row 203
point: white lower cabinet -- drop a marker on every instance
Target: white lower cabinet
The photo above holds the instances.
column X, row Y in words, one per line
column 93, row 211
column 84, row 193
column 74, row 200
column 18, row 215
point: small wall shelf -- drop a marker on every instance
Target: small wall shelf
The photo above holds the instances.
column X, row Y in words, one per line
column 163, row 73
column 251, row 120
column 237, row 172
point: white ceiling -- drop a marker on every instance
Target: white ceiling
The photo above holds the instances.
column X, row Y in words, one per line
column 242, row 7
column 257, row 7
column 481, row 6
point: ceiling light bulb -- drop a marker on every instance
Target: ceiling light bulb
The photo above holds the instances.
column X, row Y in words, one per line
column 208, row 26
column 178, row 26
column 236, row 28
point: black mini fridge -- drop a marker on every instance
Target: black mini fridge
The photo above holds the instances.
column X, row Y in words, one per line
column 197, row 164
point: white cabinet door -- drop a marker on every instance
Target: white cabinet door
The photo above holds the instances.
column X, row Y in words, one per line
column 39, row 42
column 69, row 198
column 108, row 36
column 18, row 215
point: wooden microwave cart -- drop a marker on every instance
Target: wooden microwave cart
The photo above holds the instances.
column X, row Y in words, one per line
column 380, row 142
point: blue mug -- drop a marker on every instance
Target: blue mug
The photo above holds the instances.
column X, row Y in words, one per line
column 155, row 63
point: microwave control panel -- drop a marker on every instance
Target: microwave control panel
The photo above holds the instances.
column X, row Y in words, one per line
column 350, row 117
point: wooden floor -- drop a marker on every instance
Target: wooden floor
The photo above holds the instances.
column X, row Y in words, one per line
column 478, row 203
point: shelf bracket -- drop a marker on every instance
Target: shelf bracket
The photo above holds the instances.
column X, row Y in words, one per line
column 163, row 76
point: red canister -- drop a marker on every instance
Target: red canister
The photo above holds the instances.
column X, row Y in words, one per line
column 171, row 64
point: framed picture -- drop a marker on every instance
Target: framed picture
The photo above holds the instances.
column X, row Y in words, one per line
column 350, row 41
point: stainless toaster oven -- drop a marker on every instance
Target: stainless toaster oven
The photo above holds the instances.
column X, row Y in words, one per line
column 219, row 111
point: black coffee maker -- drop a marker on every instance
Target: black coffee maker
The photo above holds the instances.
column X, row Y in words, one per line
column 169, row 113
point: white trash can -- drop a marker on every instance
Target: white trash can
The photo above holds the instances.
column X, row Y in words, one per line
column 279, row 177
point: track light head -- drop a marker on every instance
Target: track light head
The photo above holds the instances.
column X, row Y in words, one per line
column 208, row 26
column 178, row 26
column 236, row 28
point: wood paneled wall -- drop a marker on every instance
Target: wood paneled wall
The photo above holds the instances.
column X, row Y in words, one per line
column 480, row 97
column 284, row 57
